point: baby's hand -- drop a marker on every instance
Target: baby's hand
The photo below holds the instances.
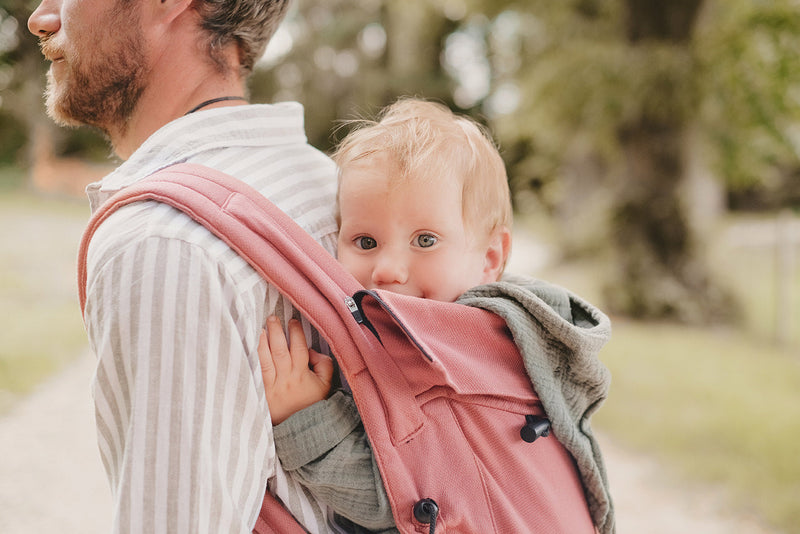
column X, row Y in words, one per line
column 289, row 382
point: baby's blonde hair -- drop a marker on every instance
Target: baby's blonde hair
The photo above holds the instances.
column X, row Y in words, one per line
column 428, row 141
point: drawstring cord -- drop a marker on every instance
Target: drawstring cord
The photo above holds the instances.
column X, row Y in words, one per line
column 434, row 515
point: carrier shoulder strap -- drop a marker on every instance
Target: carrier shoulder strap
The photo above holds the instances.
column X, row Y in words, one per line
column 269, row 240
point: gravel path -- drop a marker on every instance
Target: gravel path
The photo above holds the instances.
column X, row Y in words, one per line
column 51, row 477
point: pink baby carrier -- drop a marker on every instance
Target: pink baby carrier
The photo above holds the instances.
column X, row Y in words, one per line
column 457, row 431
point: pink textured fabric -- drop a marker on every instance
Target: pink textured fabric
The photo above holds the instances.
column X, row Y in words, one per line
column 441, row 388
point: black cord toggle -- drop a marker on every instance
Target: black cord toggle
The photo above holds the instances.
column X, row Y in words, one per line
column 426, row 511
column 535, row 428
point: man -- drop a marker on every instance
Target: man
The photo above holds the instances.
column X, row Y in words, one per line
column 172, row 313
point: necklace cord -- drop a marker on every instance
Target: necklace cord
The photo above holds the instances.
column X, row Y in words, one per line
column 201, row 105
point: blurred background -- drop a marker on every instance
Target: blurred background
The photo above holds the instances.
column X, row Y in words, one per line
column 653, row 150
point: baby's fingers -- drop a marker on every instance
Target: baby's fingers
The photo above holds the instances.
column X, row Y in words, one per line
column 265, row 357
column 322, row 365
column 298, row 347
column 278, row 348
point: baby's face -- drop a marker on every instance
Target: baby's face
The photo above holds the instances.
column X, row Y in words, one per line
column 406, row 238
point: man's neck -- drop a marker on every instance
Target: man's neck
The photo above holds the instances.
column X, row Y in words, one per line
column 155, row 110
column 178, row 81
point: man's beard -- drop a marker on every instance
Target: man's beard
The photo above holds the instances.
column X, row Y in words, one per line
column 100, row 92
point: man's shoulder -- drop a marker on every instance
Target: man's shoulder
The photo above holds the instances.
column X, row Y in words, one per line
column 263, row 146
column 307, row 196
column 300, row 180
column 143, row 222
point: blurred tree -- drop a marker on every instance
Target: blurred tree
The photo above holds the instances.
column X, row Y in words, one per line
column 346, row 59
column 22, row 71
column 610, row 96
column 661, row 271
column 598, row 105
column 751, row 113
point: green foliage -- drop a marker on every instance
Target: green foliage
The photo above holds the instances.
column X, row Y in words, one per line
column 751, row 79
column 86, row 143
column 349, row 58
column 719, row 406
column 737, row 78
column 13, row 138
column 583, row 82
column 11, row 179
column 596, row 89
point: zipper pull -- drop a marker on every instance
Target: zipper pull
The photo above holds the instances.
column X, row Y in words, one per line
column 354, row 309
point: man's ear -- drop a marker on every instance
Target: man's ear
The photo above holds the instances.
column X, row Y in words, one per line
column 497, row 252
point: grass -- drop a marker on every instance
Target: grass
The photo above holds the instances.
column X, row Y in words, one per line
column 718, row 406
column 38, row 243
column 751, row 269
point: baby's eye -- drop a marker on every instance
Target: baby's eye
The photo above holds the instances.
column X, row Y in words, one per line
column 426, row 240
column 365, row 242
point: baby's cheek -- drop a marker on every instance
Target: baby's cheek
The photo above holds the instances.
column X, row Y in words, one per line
column 345, row 258
column 355, row 267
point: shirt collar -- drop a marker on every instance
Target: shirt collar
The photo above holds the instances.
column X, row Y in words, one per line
column 255, row 125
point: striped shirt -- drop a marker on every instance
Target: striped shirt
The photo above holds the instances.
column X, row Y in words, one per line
column 174, row 317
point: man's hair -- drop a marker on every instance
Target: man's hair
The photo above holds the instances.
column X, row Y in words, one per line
column 428, row 142
column 248, row 23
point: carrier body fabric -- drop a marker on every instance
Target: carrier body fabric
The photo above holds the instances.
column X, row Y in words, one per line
column 441, row 387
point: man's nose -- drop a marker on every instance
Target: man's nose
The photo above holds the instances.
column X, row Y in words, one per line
column 390, row 268
column 46, row 19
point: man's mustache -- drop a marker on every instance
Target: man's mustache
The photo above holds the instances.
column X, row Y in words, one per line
column 49, row 50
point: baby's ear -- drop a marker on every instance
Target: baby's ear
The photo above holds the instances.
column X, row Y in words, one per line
column 497, row 252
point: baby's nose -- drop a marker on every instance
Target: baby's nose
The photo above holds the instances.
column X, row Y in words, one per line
column 389, row 269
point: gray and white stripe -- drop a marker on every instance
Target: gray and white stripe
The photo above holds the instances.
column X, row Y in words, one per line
column 174, row 316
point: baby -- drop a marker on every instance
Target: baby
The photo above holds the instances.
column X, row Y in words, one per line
column 425, row 211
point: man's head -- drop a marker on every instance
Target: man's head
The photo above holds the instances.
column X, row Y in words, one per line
column 99, row 66
column 432, row 186
column 107, row 54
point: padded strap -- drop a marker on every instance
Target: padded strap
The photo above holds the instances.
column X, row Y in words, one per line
column 210, row 197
